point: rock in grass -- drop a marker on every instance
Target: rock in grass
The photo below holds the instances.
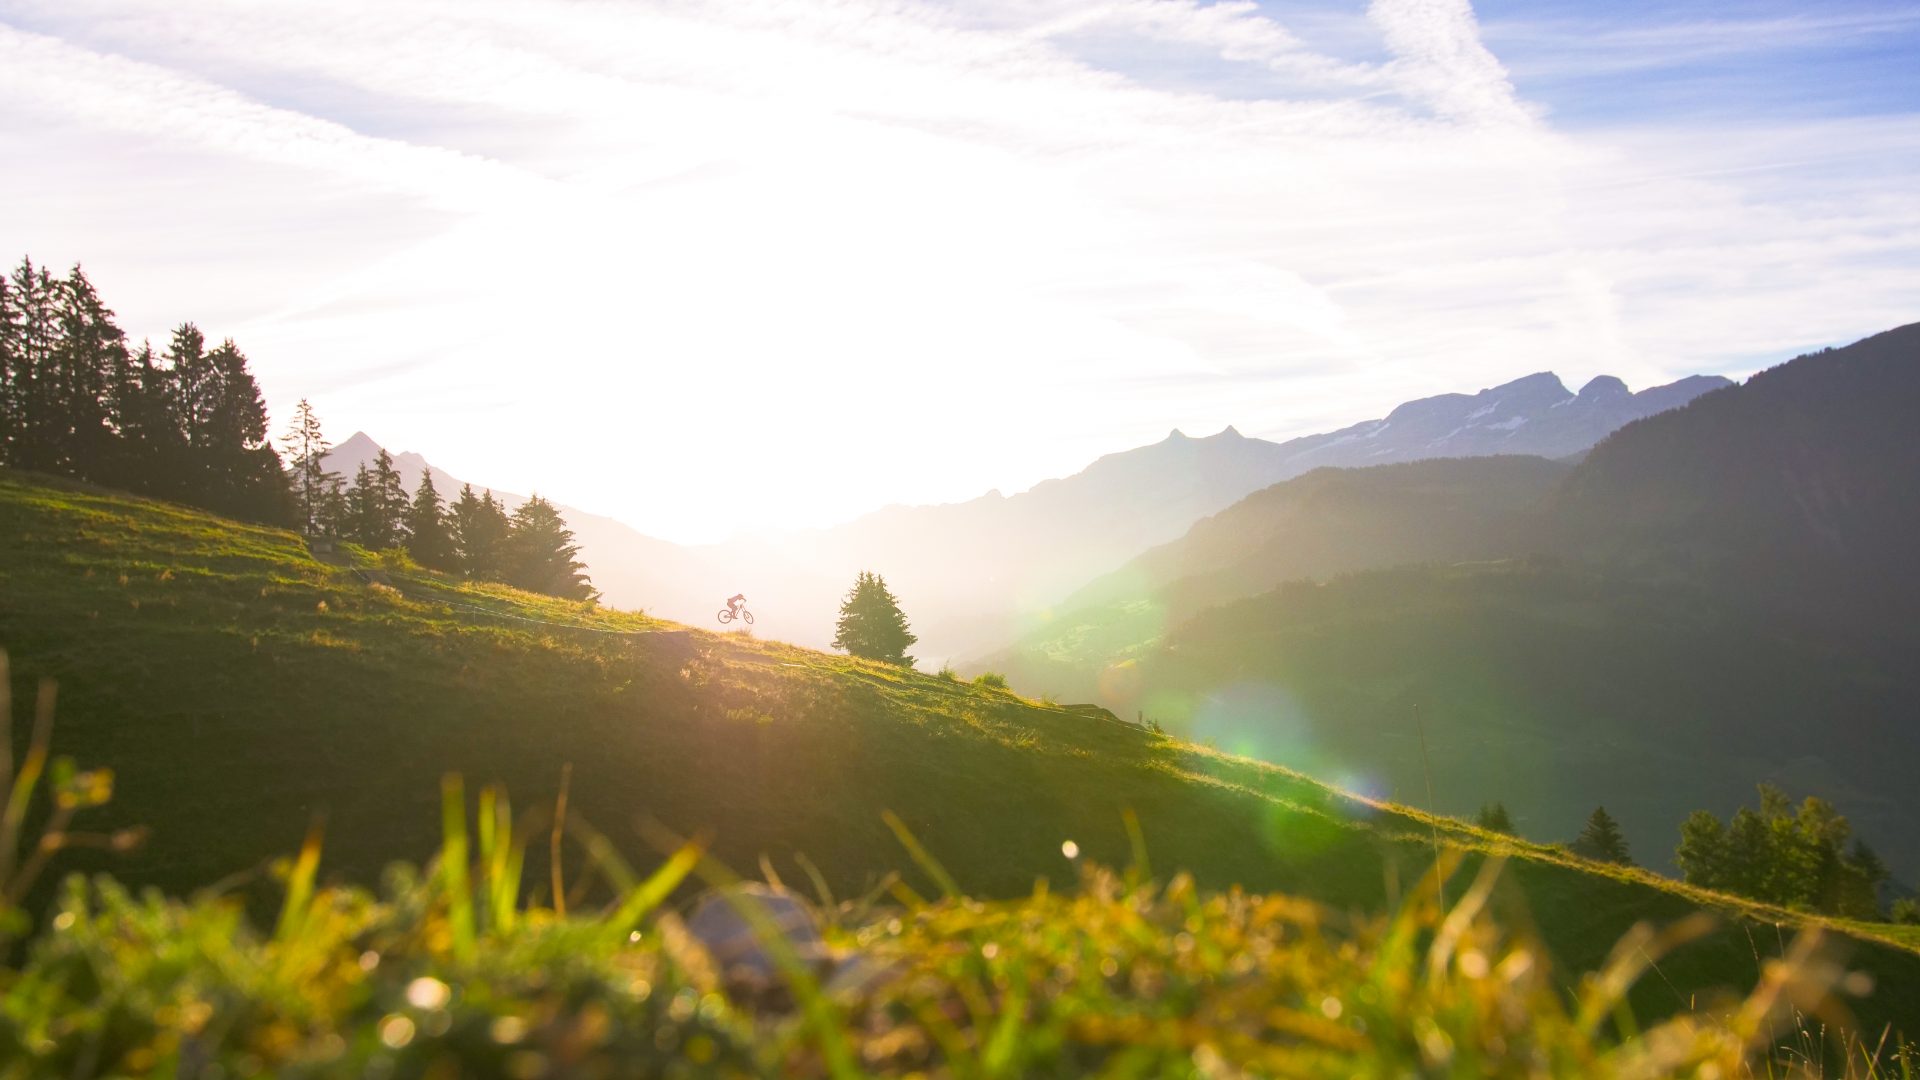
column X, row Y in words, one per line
column 739, row 948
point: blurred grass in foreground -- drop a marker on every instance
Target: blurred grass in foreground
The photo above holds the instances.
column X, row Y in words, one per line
column 448, row 971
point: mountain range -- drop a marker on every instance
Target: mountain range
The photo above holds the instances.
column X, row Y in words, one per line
column 974, row 575
column 1716, row 595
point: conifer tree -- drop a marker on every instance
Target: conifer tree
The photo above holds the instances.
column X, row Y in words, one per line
column 1602, row 839
column 239, row 468
column 9, row 348
column 34, row 334
column 190, row 378
column 362, row 523
column 307, row 448
column 377, row 505
column 463, row 524
column 331, row 516
column 428, row 539
column 152, row 445
column 871, row 623
column 540, row 553
column 1494, row 818
column 479, row 528
column 85, row 354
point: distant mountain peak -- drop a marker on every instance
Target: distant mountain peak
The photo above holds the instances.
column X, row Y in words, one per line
column 1175, row 436
column 1604, row 388
column 1534, row 383
column 1229, row 433
column 357, row 444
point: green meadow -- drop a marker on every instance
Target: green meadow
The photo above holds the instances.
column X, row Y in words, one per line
column 244, row 692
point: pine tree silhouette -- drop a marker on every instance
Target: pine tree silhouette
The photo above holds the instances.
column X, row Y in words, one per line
column 1602, row 839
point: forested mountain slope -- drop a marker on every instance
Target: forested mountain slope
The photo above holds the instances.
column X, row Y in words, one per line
column 1800, row 488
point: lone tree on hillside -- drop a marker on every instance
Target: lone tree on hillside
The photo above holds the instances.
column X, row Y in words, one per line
column 1602, row 839
column 872, row 626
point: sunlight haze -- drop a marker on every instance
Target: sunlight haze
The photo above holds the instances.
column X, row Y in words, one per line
column 847, row 255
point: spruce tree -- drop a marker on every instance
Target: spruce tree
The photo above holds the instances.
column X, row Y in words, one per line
column 1602, row 839
column 540, row 553
column 479, row 527
column 152, row 444
column 35, row 333
column 1494, row 818
column 331, row 516
column 872, row 625
column 377, row 506
column 9, row 350
column 366, row 523
column 240, row 469
column 190, row 379
column 428, row 540
column 88, row 350
column 393, row 498
column 463, row 525
column 307, row 448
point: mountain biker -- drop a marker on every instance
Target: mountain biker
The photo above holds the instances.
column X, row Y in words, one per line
column 736, row 602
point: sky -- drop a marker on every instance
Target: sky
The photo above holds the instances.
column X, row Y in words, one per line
column 712, row 268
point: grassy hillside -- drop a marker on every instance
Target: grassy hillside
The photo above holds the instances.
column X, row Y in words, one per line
column 240, row 687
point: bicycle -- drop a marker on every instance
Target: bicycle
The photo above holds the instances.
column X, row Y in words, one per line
column 727, row 615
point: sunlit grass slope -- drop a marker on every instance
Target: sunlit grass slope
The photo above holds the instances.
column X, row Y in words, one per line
column 240, row 688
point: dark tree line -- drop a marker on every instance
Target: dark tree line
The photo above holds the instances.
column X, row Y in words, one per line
column 189, row 424
column 1803, row 856
column 77, row 399
column 1783, row 854
column 531, row 549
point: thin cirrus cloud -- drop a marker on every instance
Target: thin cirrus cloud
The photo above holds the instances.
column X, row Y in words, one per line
column 713, row 267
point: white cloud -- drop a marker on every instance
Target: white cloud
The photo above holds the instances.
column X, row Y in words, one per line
column 717, row 266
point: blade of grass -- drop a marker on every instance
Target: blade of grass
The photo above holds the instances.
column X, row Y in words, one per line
column 818, row 879
column 6, row 730
column 24, row 781
column 293, row 911
column 659, row 885
column 453, row 864
column 1141, row 870
column 553, row 844
column 920, row 855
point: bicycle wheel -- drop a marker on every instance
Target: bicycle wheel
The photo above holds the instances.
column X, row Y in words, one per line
column 748, row 616
column 726, row 616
